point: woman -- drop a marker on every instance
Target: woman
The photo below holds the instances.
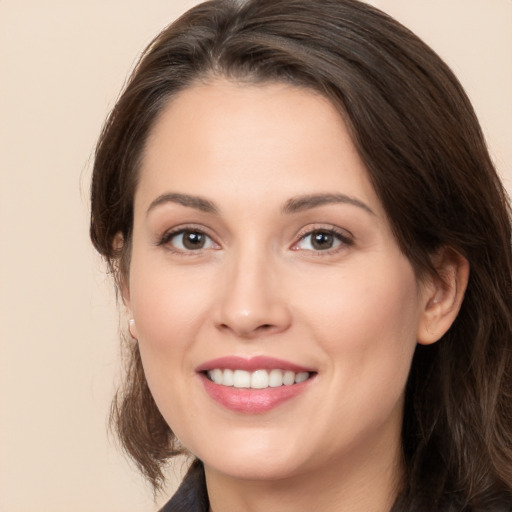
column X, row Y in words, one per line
column 313, row 248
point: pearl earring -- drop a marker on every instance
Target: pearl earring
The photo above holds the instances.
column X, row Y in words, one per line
column 131, row 325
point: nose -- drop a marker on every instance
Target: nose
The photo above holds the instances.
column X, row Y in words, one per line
column 253, row 302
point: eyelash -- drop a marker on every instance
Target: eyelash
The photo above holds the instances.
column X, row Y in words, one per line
column 169, row 235
column 345, row 240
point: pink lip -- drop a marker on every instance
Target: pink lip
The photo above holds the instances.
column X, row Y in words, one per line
column 251, row 401
column 251, row 364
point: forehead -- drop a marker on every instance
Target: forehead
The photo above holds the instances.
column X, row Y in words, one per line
column 259, row 139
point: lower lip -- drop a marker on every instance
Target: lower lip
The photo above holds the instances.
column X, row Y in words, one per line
column 252, row 401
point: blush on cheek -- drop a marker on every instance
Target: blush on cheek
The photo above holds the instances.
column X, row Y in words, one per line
column 165, row 313
column 376, row 328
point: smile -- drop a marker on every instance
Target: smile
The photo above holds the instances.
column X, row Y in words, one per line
column 258, row 379
column 254, row 385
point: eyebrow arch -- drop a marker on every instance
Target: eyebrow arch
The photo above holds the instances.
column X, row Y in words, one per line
column 301, row 203
column 196, row 202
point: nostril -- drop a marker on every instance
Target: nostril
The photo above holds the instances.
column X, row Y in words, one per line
column 244, row 331
column 265, row 327
column 263, row 319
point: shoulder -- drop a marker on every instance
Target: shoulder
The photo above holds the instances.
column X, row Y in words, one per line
column 186, row 500
column 191, row 495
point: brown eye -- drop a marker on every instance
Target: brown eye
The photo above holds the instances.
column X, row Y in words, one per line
column 322, row 240
column 189, row 240
column 193, row 240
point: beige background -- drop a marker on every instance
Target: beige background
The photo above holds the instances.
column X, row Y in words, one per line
column 62, row 64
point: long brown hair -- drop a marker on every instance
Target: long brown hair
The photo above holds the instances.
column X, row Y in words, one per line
column 417, row 133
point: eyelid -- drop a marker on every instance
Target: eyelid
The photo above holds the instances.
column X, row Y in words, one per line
column 345, row 237
column 165, row 239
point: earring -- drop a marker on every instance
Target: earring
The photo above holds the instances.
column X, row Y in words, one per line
column 131, row 327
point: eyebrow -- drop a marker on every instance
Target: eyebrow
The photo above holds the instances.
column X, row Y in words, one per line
column 196, row 202
column 301, row 203
column 293, row 205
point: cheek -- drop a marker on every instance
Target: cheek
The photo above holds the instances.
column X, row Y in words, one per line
column 167, row 305
column 367, row 328
column 167, row 311
column 367, row 322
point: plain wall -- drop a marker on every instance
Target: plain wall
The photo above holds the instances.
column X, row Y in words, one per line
column 62, row 65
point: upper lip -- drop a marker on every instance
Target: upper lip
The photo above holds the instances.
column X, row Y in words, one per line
column 251, row 364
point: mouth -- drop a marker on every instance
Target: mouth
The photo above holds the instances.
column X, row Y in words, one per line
column 254, row 385
column 258, row 379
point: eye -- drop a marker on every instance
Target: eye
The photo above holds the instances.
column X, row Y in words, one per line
column 188, row 240
column 322, row 240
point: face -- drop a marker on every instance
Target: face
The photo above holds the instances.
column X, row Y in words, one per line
column 275, row 312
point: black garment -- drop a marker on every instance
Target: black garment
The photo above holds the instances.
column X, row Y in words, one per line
column 192, row 496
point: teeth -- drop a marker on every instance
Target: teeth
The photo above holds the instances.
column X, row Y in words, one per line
column 301, row 377
column 241, row 379
column 228, row 377
column 275, row 378
column 217, row 376
column 288, row 378
column 259, row 379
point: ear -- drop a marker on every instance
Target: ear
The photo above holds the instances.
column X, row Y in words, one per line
column 123, row 286
column 442, row 295
column 125, row 293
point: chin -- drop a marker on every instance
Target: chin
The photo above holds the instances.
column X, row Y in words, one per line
column 263, row 469
column 254, row 459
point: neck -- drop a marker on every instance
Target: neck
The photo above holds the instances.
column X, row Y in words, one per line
column 371, row 485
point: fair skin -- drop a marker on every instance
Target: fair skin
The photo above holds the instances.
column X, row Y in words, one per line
column 233, row 256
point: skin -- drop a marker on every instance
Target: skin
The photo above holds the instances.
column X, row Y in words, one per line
column 353, row 312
